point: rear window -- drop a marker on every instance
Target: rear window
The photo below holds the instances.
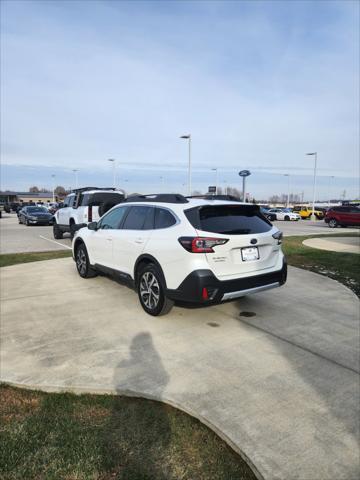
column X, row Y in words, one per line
column 163, row 218
column 229, row 219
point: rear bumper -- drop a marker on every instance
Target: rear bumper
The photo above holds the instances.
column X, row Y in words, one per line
column 202, row 287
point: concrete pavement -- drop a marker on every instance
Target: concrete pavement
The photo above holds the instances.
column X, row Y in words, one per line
column 336, row 244
column 274, row 374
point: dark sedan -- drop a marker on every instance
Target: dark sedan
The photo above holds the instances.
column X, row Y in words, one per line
column 35, row 216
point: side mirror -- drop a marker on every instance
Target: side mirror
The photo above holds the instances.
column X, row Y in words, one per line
column 92, row 226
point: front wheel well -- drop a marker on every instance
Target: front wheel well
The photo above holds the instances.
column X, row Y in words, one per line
column 78, row 242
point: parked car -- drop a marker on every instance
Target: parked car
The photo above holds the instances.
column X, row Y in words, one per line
column 172, row 248
column 34, row 215
column 306, row 212
column 343, row 216
column 270, row 216
column 2, row 209
column 284, row 214
column 82, row 206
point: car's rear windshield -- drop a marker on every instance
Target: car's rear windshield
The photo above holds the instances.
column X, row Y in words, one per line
column 229, row 219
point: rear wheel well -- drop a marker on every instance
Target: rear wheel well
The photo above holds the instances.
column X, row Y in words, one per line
column 146, row 260
column 72, row 221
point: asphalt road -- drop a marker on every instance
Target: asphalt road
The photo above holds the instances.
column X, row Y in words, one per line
column 15, row 238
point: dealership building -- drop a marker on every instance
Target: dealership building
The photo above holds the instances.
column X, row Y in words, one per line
column 26, row 197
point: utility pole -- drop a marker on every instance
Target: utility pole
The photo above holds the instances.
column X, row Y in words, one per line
column 188, row 137
column 314, row 186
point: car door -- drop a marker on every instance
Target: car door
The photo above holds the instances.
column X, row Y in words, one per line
column 63, row 214
column 130, row 241
column 354, row 216
column 100, row 241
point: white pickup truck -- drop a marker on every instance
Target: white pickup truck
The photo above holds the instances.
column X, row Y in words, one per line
column 84, row 205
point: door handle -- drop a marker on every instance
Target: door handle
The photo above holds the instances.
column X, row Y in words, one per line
column 139, row 240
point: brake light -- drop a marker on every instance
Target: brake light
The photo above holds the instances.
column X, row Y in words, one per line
column 201, row 244
column 89, row 214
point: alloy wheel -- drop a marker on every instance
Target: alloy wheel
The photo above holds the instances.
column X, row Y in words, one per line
column 81, row 261
column 149, row 290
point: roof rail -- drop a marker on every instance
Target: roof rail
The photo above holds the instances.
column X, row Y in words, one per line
column 85, row 189
column 158, row 197
column 231, row 198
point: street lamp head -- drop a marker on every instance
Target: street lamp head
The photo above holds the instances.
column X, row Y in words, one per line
column 244, row 173
column 186, row 136
column 312, row 153
column 111, row 159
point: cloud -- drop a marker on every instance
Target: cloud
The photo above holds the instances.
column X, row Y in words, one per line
column 256, row 86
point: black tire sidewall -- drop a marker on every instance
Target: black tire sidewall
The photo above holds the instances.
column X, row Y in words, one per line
column 87, row 271
column 156, row 272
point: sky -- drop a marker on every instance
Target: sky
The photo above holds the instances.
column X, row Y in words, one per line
column 258, row 84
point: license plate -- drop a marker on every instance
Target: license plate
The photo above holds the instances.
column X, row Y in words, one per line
column 250, row 253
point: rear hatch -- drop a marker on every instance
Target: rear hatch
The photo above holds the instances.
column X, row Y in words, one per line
column 250, row 248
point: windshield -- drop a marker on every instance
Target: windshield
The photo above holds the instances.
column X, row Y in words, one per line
column 37, row 210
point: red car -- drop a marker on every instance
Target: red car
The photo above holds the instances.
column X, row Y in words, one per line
column 343, row 216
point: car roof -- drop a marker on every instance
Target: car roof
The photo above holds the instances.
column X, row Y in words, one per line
column 191, row 203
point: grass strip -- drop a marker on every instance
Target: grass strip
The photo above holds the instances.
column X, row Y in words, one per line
column 8, row 259
column 343, row 267
column 62, row 435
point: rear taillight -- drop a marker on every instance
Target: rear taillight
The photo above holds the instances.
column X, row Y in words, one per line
column 278, row 236
column 89, row 214
column 201, row 244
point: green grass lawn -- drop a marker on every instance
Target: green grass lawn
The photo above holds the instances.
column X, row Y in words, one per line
column 7, row 259
column 343, row 267
column 71, row 437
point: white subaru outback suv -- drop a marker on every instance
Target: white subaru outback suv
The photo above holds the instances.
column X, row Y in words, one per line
column 82, row 206
column 177, row 249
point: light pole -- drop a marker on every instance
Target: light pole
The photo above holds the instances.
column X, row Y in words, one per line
column 76, row 177
column 162, row 183
column 330, row 178
column 244, row 174
column 216, row 179
column 188, row 137
column 314, row 186
column 53, row 186
column 112, row 160
column 288, row 194
column 226, row 187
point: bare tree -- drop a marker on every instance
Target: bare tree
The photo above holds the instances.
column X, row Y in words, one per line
column 34, row 189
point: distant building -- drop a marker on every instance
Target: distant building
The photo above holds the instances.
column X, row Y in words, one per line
column 26, row 197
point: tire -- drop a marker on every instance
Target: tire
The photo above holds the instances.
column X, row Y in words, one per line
column 287, row 218
column 82, row 263
column 27, row 223
column 58, row 234
column 156, row 303
column 72, row 229
column 105, row 207
column 333, row 223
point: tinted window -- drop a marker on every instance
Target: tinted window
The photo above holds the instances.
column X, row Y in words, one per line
column 150, row 218
column 112, row 219
column 231, row 219
column 355, row 210
column 342, row 209
column 163, row 218
column 135, row 219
